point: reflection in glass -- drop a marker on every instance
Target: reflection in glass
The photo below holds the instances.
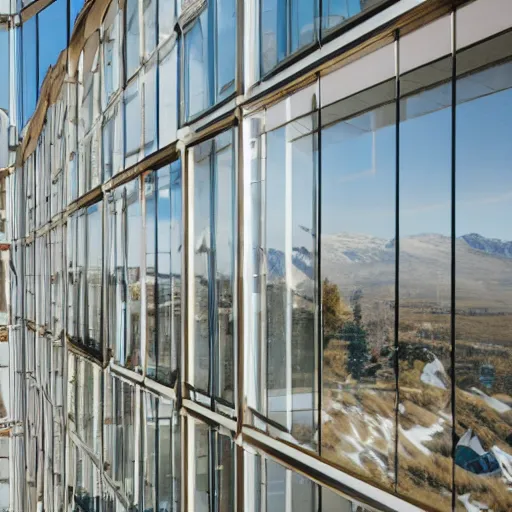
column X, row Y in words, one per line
column 337, row 12
column 94, row 275
column 111, row 49
column 483, row 417
column 167, row 93
column 290, row 234
column 52, row 35
column 132, row 37
column 197, row 97
column 4, row 69
column 358, row 288
column 424, row 422
column 150, row 107
column 226, row 47
column 151, row 447
column 214, row 266
column 149, row 8
column 214, row 470
column 132, row 124
column 29, row 67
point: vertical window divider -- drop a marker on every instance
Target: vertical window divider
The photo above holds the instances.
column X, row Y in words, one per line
column 453, row 249
column 318, row 396
column 288, row 244
column 212, row 277
column 397, row 250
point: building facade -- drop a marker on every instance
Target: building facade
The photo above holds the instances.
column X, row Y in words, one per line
column 258, row 255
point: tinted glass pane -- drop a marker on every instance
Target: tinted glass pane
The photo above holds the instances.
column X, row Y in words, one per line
column 29, row 57
column 111, row 61
column 302, row 23
column 273, row 39
column 358, row 291
column 336, row 12
column 226, row 47
column 425, row 425
column 52, row 32
column 150, row 108
column 483, row 280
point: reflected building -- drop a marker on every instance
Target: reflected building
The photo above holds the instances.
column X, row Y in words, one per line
column 255, row 255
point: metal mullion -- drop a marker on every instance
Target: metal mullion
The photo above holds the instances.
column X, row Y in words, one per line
column 397, row 254
column 453, row 269
column 212, row 278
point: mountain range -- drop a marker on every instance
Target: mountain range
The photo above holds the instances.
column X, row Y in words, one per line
column 483, row 267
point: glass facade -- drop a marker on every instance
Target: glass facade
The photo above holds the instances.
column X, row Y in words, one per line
column 260, row 256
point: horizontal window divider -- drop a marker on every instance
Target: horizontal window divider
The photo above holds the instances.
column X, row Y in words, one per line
column 128, row 375
column 89, row 198
column 322, row 473
column 199, row 410
column 159, row 389
column 160, row 158
column 203, row 123
column 84, row 352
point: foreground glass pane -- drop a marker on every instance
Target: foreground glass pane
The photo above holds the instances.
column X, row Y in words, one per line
column 483, row 277
column 425, row 419
column 94, row 274
column 358, row 287
column 214, row 222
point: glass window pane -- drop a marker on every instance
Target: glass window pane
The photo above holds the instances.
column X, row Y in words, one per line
column 94, row 275
column 151, row 271
column 358, row 291
column 132, row 124
column 111, row 50
column 149, row 12
column 29, row 57
column 197, row 97
column 52, row 34
column 273, row 35
column 203, row 262
column 166, row 19
column 225, row 479
column 425, row 426
column 337, row 12
column 167, row 94
column 483, row 265
column 302, row 23
column 4, row 69
column 133, row 251
column 202, row 467
column 226, row 47
column 290, row 281
column 150, row 464
column 224, row 242
column 132, row 37
column 169, row 457
column 150, row 107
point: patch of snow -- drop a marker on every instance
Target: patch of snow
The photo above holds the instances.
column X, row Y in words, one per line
column 505, row 461
column 401, row 408
column 430, row 373
column 418, row 435
column 326, row 418
column 492, row 402
column 472, row 506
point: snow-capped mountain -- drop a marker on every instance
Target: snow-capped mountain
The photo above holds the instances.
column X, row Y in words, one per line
column 493, row 246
